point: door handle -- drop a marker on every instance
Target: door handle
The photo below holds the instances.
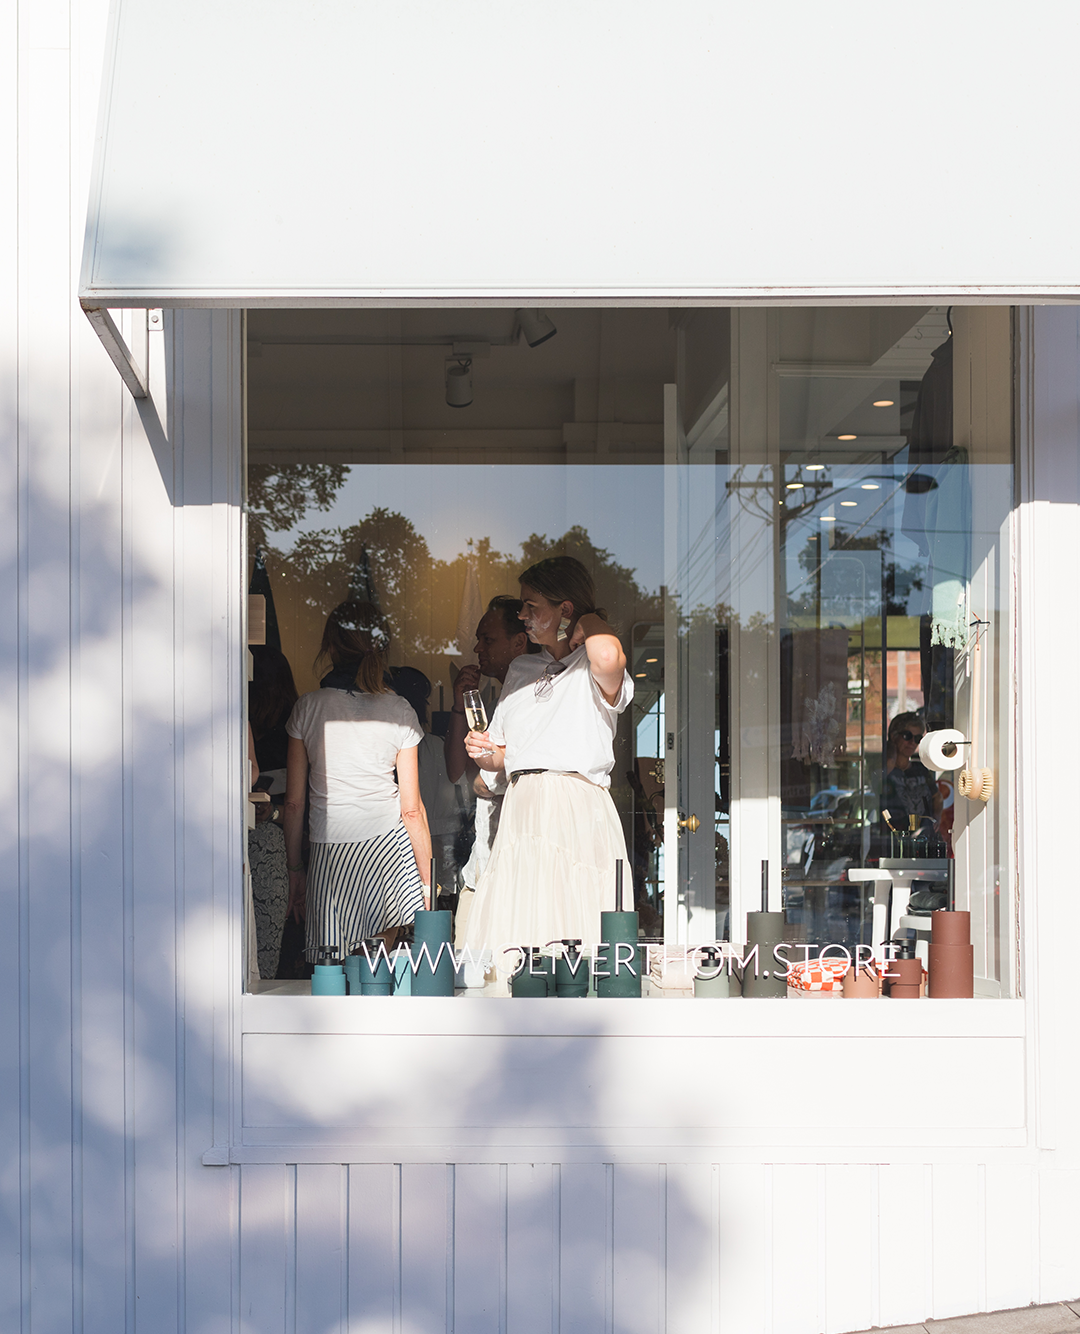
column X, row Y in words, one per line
column 690, row 822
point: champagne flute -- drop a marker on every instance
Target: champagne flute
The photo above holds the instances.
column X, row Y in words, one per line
column 475, row 713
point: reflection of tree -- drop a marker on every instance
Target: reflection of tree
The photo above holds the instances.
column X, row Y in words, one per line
column 421, row 596
column 318, row 572
column 280, row 495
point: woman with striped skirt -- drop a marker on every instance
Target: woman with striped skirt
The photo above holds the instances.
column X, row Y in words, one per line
column 370, row 846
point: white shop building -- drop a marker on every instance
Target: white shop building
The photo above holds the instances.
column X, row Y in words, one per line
column 810, row 414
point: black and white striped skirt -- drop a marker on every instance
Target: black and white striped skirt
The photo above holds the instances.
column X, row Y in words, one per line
column 356, row 890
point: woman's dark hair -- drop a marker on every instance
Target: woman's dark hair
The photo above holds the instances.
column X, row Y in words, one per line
column 356, row 633
column 412, row 685
column 271, row 691
column 564, row 579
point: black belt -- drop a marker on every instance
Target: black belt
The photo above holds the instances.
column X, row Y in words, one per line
column 520, row 773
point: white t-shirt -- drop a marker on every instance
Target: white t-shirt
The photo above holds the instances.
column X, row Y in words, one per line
column 352, row 741
column 572, row 730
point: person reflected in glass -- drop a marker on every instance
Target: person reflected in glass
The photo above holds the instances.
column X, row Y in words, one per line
column 272, row 694
column 910, row 788
column 370, row 857
column 552, row 868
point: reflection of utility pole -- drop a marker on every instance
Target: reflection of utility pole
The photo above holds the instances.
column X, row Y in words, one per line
column 819, row 555
column 862, row 729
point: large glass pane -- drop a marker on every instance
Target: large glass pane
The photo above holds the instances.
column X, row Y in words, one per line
column 862, row 543
column 798, row 523
column 365, row 481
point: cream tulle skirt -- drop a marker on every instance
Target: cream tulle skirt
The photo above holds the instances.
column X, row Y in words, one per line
column 552, row 870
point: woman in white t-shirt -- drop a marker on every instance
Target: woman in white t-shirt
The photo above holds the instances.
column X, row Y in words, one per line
column 552, row 868
column 370, row 847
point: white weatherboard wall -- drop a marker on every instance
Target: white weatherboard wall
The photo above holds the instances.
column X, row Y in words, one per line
column 128, row 1055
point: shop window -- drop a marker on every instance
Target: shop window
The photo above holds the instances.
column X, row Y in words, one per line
column 798, row 524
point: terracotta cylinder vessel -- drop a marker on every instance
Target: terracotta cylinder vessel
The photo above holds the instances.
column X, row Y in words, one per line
column 950, row 928
column 861, row 984
column 952, row 972
column 906, row 980
column 952, row 957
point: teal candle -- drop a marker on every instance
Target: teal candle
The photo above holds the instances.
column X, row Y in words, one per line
column 534, row 977
column 328, row 979
column 432, row 956
column 571, row 971
column 376, row 977
column 618, row 962
column 402, row 972
column 351, row 965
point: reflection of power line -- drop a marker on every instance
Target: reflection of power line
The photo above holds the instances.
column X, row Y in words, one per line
column 692, row 567
column 745, row 491
column 848, row 538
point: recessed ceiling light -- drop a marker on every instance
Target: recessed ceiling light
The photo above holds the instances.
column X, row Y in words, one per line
column 884, row 402
column 847, row 437
column 849, row 503
column 652, row 660
column 795, row 486
column 814, row 467
column 638, row 676
column 828, row 518
column 870, row 486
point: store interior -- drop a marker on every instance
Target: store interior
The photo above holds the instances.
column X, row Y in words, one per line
column 817, row 536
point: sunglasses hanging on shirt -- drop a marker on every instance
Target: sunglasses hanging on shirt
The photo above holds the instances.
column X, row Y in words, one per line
column 545, row 683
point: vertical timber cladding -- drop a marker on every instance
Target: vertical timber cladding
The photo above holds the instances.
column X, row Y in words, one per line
column 591, row 1246
column 186, row 633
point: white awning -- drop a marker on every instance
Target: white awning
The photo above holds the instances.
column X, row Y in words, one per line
column 272, row 153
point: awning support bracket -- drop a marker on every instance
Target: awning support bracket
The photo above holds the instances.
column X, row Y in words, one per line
column 133, row 375
column 121, row 355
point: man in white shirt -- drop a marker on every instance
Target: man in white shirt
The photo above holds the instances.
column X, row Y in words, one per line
column 500, row 638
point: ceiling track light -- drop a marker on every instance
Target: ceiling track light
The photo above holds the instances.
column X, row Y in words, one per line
column 535, row 326
column 459, row 391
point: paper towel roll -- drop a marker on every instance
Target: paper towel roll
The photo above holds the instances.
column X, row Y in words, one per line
column 943, row 749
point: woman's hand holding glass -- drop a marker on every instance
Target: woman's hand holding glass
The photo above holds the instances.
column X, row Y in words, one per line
column 476, row 717
column 487, row 755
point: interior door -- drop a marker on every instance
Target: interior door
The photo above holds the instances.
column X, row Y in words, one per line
column 692, row 551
